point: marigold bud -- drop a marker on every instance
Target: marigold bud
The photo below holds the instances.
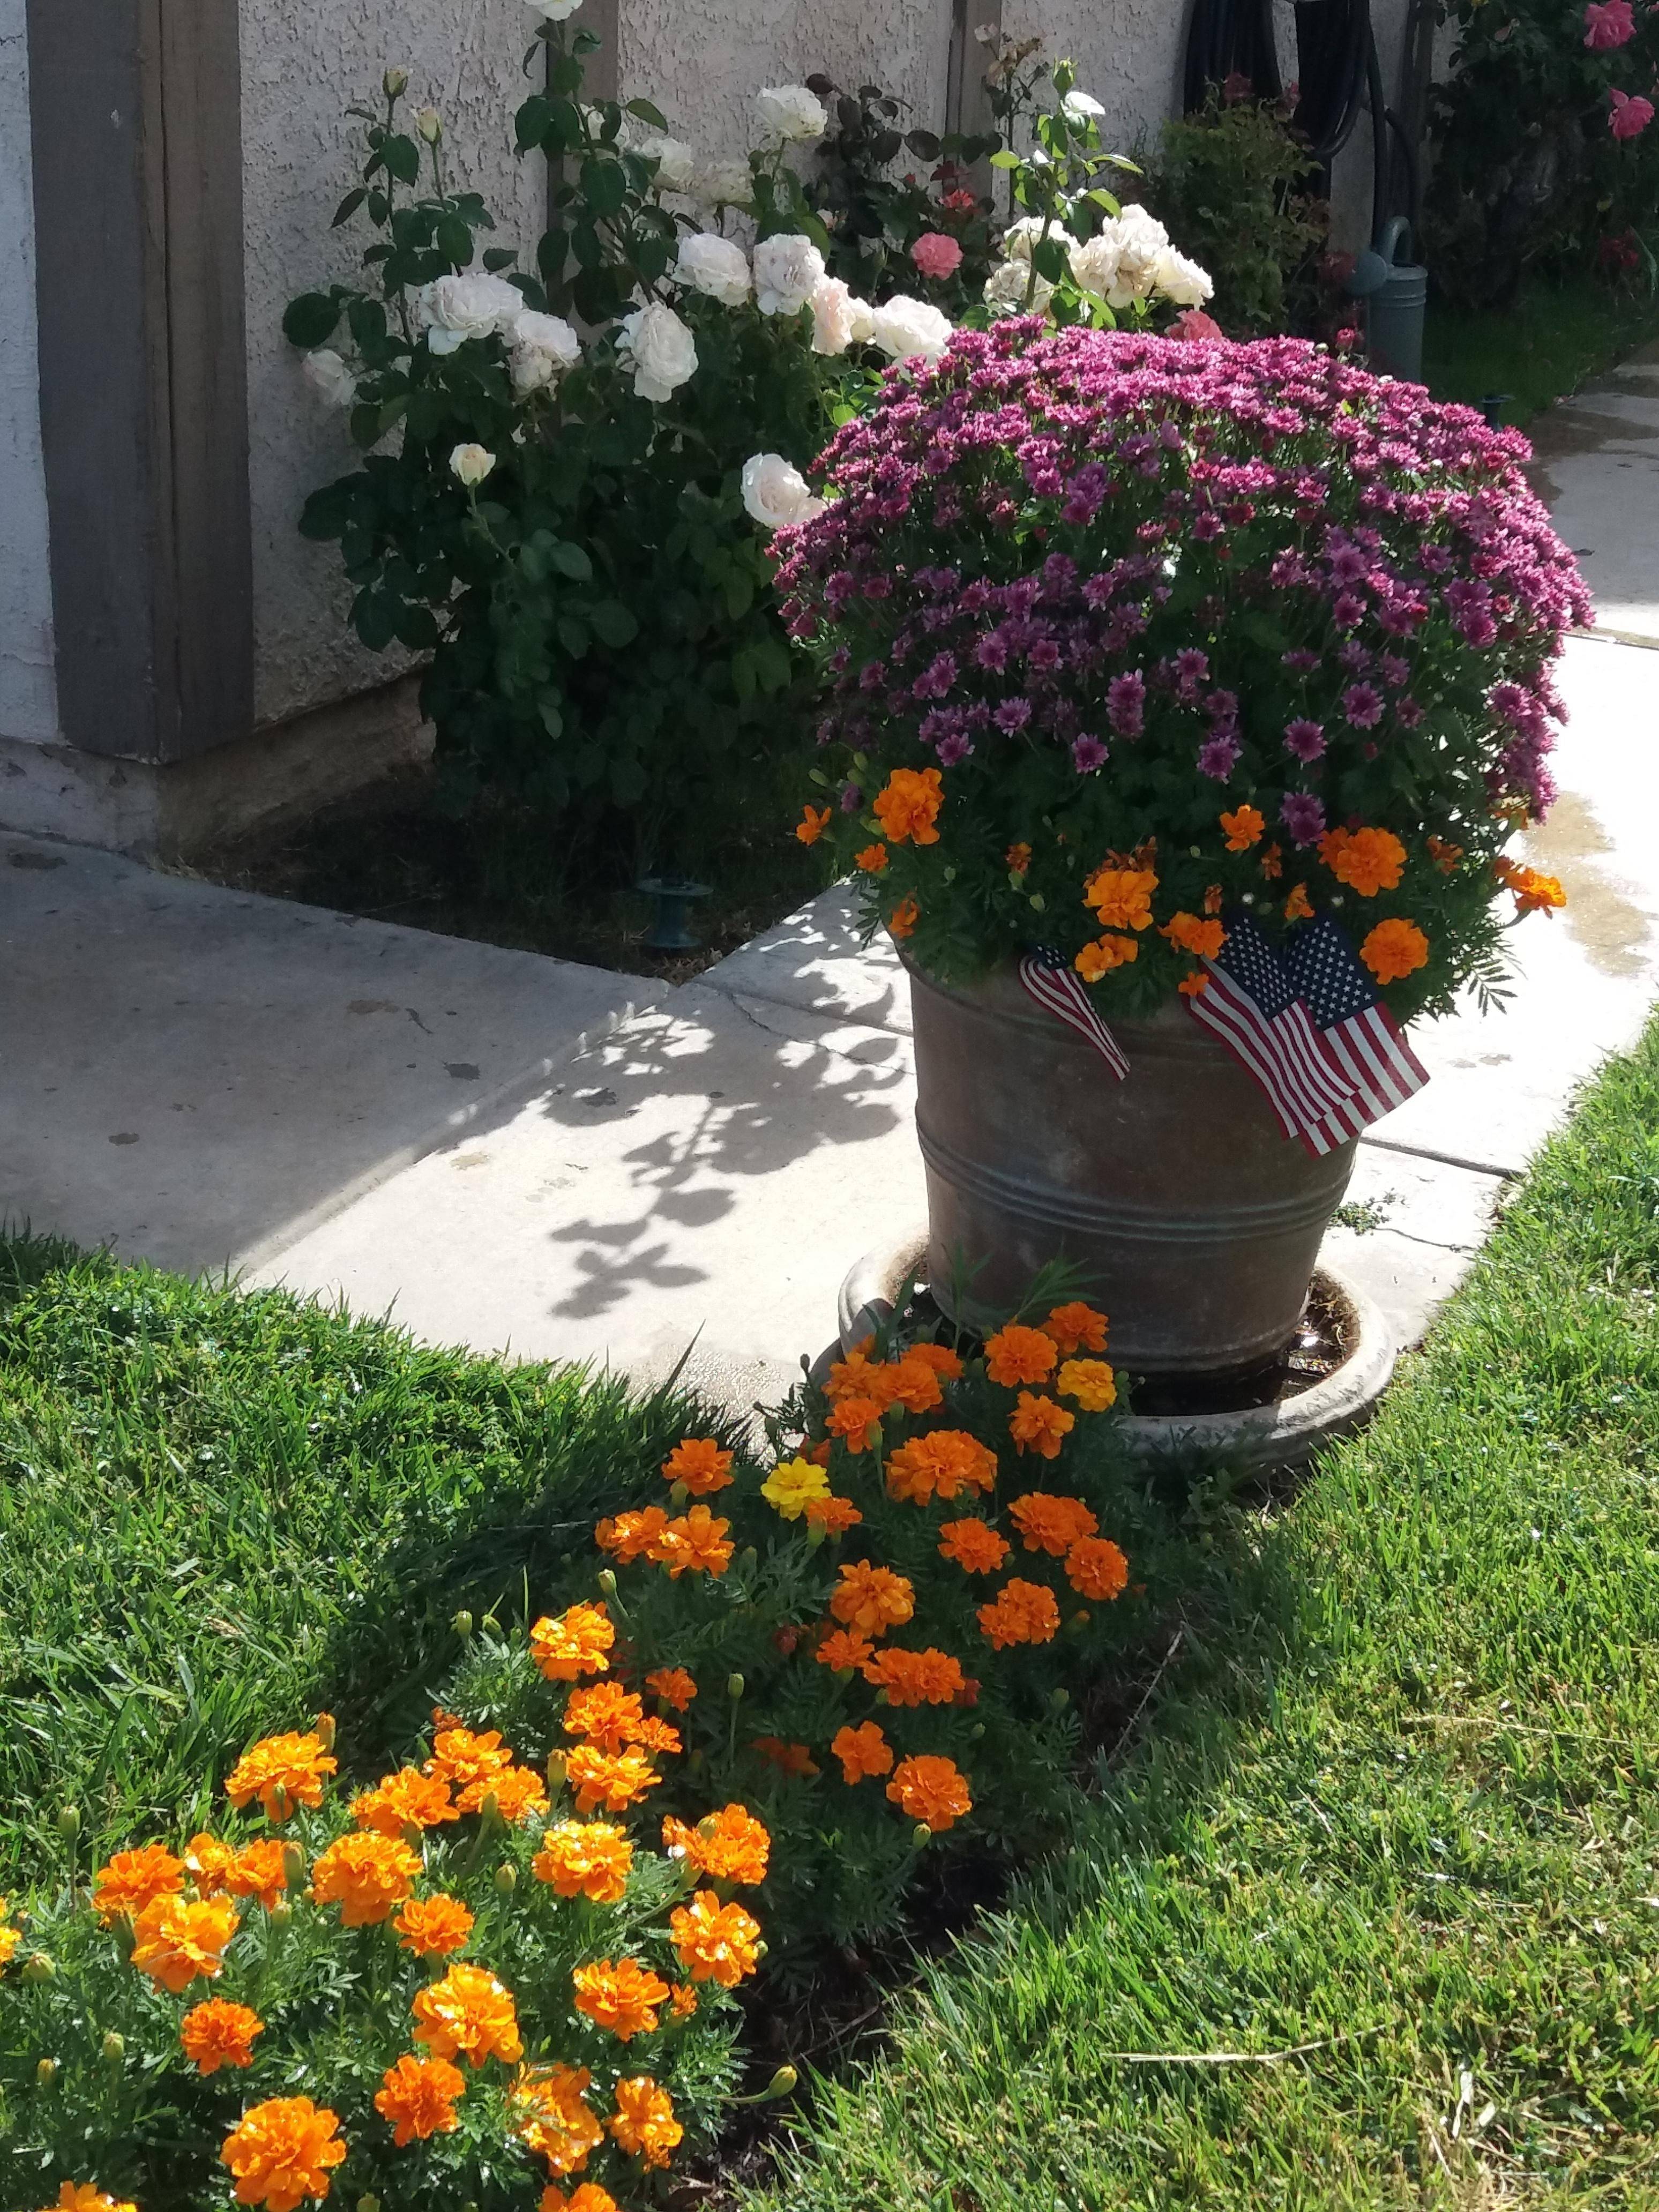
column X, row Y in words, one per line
column 608, row 1581
column 734, row 1685
column 920, row 1835
column 39, row 1967
column 783, row 2081
column 462, row 1623
column 281, row 1913
column 1060, row 1698
column 556, row 1772
column 816, row 1533
column 324, row 1730
column 68, row 1821
column 749, row 1558
column 394, row 84
column 429, row 123
column 506, row 1878
column 47, row 2072
column 491, row 1810
column 113, row 2050
column 1080, row 1620
column 678, row 1492
column 294, row 1863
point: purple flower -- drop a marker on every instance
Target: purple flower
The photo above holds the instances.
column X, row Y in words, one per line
column 1393, row 670
column 1126, row 704
column 1408, row 713
column 1304, row 817
column 1087, row 755
column 1363, row 705
column 1301, row 660
column 851, row 798
column 1218, row 758
column 1012, row 714
column 1304, row 739
column 1350, row 609
column 953, row 749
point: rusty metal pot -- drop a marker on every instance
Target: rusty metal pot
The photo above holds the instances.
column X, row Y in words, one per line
column 1196, row 1221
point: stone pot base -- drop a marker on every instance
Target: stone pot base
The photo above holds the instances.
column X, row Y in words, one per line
column 1281, row 1435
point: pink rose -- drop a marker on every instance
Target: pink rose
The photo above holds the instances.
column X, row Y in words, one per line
column 936, row 255
column 1609, row 23
column 1195, row 323
column 1630, row 116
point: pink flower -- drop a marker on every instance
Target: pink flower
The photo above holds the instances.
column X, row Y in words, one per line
column 1609, row 23
column 936, row 255
column 1631, row 117
column 1193, row 324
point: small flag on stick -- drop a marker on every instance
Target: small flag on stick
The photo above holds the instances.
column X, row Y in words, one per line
column 1060, row 990
column 1251, row 1006
column 1362, row 1037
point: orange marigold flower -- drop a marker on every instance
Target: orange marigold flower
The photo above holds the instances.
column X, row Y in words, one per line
column 216, row 2034
column 1077, row 1328
column 1102, row 954
column 673, row 1686
column 407, row 1799
column 931, row 1791
column 367, row 1875
column 835, row 1516
column 908, row 806
column 176, row 1939
column 1040, row 1424
column 1299, row 906
column 872, row 1598
column 550, row 2115
column 643, row 2122
column 208, row 1863
column 974, row 1546
column 855, row 1421
column 1016, row 1354
column 684, row 2001
column 699, row 1464
column 1020, row 1612
column 87, row 2197
column 133, row 1879
column 621, row 1997
column 433, row 1927
column 940, row 1357
column 468, row 1762
column 1193, row 982
column 259, row 1870
column 587, row 2196
column 282, row 2152
column 1190, row 934
column 916, row 1385
column 916, row 1678
column 1018, row 859
column 1534, row 893
column 1051, row 1524
column 10, row 1937
column 1091, row 1381
column 468, row 2014
column 795, row 1759
column 657, row 1738
column 943, row 1464
column 1213, row 898
column 1122, row 896
column 1445, row 856
column 1096, row 1568
column 614, row 1780
column 694, row 1544
column 862, row 1751
column 730, row 1845
column 585, row 1858
column 418, row 2096
column 714, row 1942
column 282, row 1772
column 842, row 1650
column 814, row 821
column 605, row 1713
column 578, row 1642
column 1368, row 860
column 518, row 1791
column 1243, row 828
column 872, row 860
column 629, row 1536
column 1394, row 949
column 901, row 922
column 1272, row 862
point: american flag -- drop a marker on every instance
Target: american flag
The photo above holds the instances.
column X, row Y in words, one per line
column 1058, row 989
column 1367, row 1041
column 1252, row 1007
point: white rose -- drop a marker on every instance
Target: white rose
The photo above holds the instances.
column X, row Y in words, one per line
column 1142, row 243
column 663, row 351
column 456, row 309
column 775, row 493
column 790, row 111
column 722, row 184
column 329, row 377
column 1007, row 285
column 554, row 11
column 543, row 347
column 1020, row 237
column 903, row 327
column 714, row 265
column 839, row 318
column 676, row 162
column 471, row 464
column 1095, row 263
column 1078, row 107
column 787, row 272
column 1181, row 280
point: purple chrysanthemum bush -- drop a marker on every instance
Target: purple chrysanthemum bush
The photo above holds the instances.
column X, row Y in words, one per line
column 1121, row 632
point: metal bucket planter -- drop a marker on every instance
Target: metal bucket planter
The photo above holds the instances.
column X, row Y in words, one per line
column 1174, row 1191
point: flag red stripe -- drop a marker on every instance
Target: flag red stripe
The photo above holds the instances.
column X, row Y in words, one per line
column 1243, row 1039
column 1306, row 1083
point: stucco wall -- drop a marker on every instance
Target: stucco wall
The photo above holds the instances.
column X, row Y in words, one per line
column 302, row 61
column 29, row 705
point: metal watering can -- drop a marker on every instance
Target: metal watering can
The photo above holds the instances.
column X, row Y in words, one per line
column 1396, row 293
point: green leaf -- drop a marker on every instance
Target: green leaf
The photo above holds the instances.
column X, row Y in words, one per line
column 454, row 241
column 552, row 720
column 403, row 158
column 349, row 206
column 647, row 113
column 573, row 636
column 604, row 184
column 311, row 319
column 1005, row 159
column 571, row 561
column 613, row 623
column 499, row 258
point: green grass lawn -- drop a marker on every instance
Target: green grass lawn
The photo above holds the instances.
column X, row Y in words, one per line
column 1397, row 1802
column 219, row 1513
column 1555, row 338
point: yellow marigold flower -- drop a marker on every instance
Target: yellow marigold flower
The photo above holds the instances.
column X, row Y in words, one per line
column 791, row 1486
column 872, row 860
column 1368, row 860
column 695, row 1543
column 1076, row 1328
column 1096, row 1569
column 1394, row 950
column 1016, row 1354
column 1243, row 828
column 585, row 1858
column 699, row 1464
column 814, row 821
column 578, row 1642
column 622, row 1997
column 931, row 1791
column 673, row 1686
column 469, row 2014
column 407, row 1799
column 176, row 1939
column 283, row 2151
column 1020, row 1612
column 1039, row 1424
column 614, row 1780
column 433, row 1927
column 872, row 1598
column 1121, row 897
column 1091, row 1381
column 643, row 2122
column 418, row 2096
column 550, row 2115
column 862, row 1751
column 217, row 2033
column 910, row 805
column 1051, row 1524
column 87, row 2197
column 941, row 1464
column 1103, row 954
column 283, row 1772
column 367, row 1875
column 629, row 1536
column 974, row 1546
column 730, row 1845
column 133, row 1879
column 714, row 1942
column 916, row 1678
column 901, row 922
